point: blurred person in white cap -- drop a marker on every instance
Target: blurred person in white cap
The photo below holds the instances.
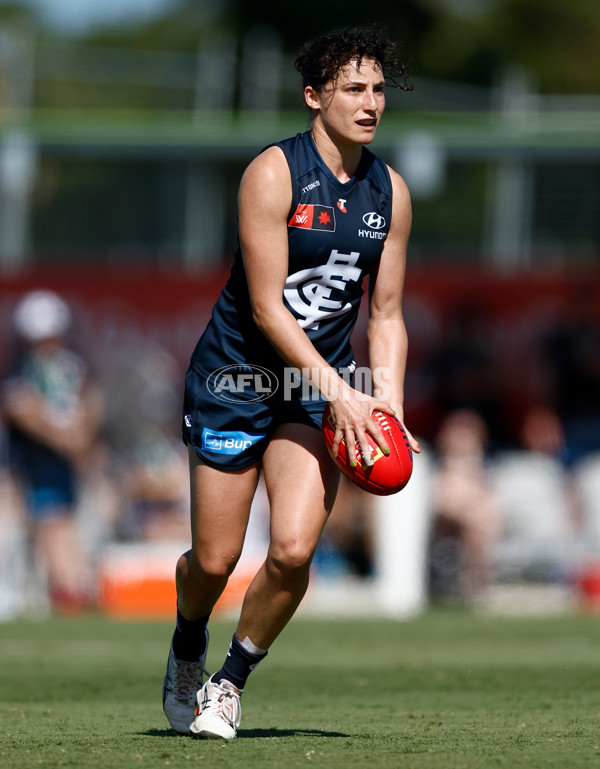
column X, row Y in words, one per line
column 53, row 413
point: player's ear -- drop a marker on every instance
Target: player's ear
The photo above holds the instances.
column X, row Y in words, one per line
column 311, row 96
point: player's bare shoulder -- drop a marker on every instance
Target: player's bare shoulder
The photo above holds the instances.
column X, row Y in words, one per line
column 265, row 194
column 267, row 177
column 400, row 190
column 401, row 205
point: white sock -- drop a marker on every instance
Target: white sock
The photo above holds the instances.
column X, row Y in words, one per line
column 250, row 647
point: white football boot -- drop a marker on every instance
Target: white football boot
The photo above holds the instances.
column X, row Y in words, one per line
column 183, row 681
column 219, row 711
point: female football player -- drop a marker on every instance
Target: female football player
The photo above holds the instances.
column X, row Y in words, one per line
column 317, row 213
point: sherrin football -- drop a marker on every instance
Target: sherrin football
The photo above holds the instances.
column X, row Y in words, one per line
column 388, row 474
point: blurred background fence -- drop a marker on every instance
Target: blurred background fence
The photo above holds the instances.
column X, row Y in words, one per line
column 120, row 155
column 130, row 155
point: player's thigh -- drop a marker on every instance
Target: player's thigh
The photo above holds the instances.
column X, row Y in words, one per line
column 301, row 482
column 220, row 509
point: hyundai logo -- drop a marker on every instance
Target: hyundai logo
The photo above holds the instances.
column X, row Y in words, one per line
column 374, row 221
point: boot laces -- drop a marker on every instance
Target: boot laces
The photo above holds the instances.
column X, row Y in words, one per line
column 224, row 702
column 187, row 680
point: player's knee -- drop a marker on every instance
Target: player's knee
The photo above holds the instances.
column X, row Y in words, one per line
column 292, row 557
column 211, row 566
column 217, row 566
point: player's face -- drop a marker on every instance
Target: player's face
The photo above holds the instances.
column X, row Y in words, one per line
column 350, row 106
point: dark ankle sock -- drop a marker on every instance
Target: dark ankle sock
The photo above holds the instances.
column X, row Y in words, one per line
column 238, row 664
column 189, row 638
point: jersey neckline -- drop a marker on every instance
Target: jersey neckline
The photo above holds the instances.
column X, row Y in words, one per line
column 341, row 186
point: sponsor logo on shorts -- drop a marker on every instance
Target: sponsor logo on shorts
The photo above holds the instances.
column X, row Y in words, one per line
column 228, row 441
column 242, row 383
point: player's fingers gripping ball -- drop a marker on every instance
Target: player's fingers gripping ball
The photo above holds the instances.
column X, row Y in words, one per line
column 384, row 474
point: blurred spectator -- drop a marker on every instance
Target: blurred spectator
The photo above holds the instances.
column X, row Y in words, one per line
column 542, row 432
column 466, row 517
column 346, row 546
column 144, row 414
column 572, row 350
column 467, row 369
column 13, row 587
column 53, row 413
column 540, row 528
column 155, row 492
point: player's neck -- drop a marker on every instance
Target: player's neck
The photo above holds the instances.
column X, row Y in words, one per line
column 341, row 159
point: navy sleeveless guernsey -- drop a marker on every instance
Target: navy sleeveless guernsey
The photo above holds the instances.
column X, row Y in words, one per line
column 234, row 386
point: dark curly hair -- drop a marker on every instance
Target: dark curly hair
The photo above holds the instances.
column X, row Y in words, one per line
column 320, row 60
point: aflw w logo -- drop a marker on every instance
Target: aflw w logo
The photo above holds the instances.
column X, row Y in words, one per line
column 313, row 217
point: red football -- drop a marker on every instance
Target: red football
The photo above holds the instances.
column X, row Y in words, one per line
column 388, row 474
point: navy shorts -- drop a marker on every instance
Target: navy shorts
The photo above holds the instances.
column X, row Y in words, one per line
column 230, row 415
column 52, row 501
column 48, row 479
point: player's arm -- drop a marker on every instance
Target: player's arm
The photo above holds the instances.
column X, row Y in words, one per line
column 264, row 203
column 388, row 341
column 264, row 200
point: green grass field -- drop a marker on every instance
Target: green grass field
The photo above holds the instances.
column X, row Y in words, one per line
column 448, row 690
